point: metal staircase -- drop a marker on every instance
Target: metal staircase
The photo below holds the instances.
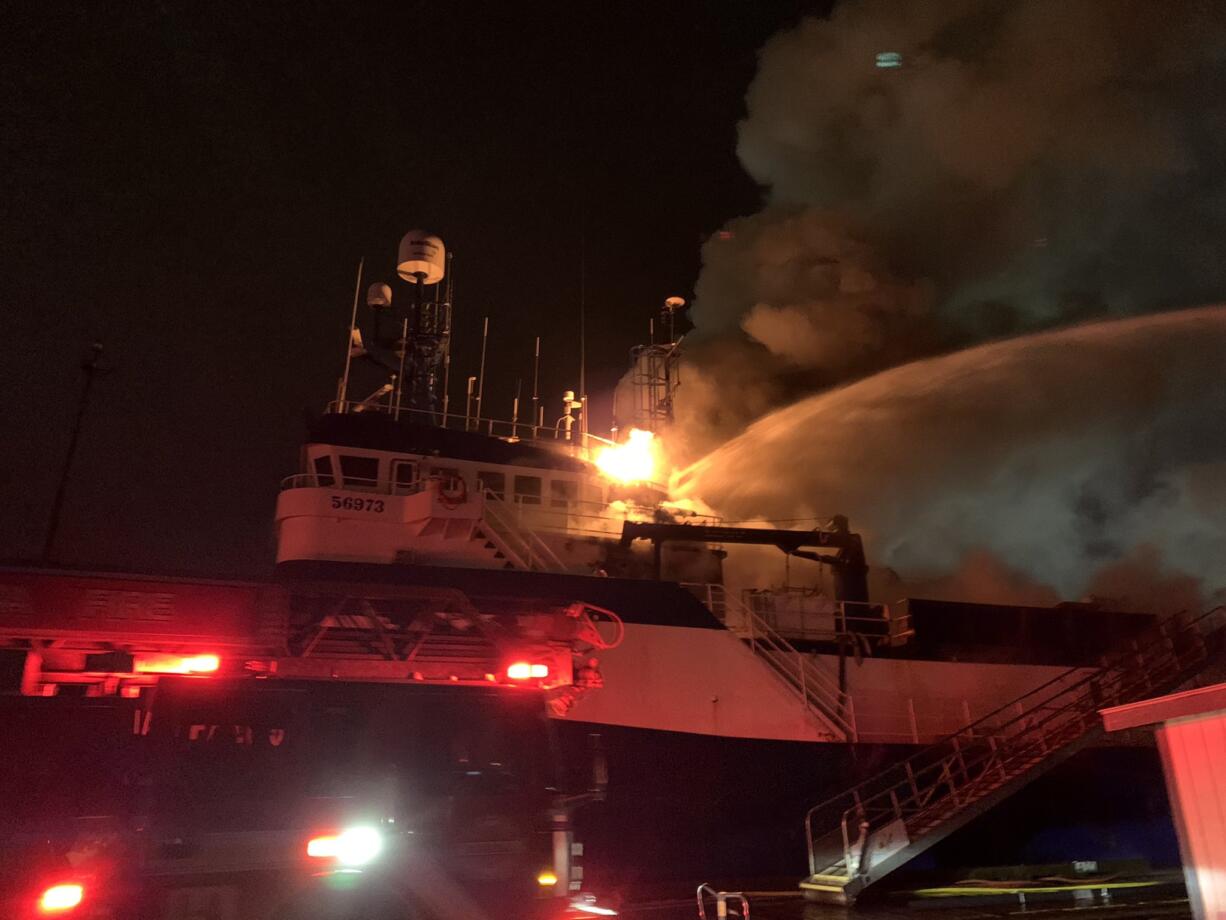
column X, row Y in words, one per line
column 871, row 829
column 521, row 547
column 823, row 698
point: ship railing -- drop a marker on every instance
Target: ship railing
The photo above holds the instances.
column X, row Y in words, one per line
column 535, row 552
column 381, row 486
column 581, row 517
column 819, row 692
column 512, row 429
column 329, row 481
column 923, row 791
column 800, row 613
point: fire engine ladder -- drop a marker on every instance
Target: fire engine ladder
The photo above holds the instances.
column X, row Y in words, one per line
column 870, row 830
column 521, row 547
column 818, row 691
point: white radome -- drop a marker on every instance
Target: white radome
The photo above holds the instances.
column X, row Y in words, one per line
column 421, row 256
column 379, row 295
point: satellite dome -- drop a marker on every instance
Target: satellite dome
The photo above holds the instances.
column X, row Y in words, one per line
column 422, row 257
column 379, row 295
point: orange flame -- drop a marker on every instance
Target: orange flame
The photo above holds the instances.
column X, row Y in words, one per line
column 634, row 460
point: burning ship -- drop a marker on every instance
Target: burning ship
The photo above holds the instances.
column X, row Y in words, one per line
column 721, row 703
column 461, row 607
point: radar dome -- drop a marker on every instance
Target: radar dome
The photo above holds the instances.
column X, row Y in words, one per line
column 422, row 257
column 379, row 295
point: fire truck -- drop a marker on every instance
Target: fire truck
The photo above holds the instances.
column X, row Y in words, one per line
column 186, row 748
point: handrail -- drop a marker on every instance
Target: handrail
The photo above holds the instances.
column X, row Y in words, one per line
column 721, row 902
column 535, row 549
column 1007, row 741
column 881, row 624
column 817, row 691
column 524, row 431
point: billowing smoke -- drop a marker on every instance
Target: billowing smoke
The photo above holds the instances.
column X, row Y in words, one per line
column 1031, row 162
column 1027, row 165
column 1088, row 457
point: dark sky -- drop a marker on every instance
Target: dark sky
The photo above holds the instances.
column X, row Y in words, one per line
column 193, row 184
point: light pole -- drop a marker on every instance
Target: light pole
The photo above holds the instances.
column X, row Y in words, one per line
column 91, row 367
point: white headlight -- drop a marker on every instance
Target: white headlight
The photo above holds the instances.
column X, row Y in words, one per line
column 356, row 846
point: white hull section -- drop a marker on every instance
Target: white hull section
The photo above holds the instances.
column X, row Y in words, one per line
column 708, row 682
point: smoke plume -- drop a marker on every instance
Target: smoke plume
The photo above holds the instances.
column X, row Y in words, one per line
column 1029, row 164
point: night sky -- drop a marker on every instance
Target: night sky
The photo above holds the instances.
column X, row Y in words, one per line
column 193, row 185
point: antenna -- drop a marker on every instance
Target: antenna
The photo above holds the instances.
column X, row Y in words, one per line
column 582, row 303
column 655, row 372
column 515, row 409
column 485, row 334
column 468, row 401
column 536, row 377
column 426, row 332
column 343, row 390
column 404, row 350
column 447, row 343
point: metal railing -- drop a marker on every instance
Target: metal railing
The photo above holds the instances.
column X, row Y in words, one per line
column 328, row 481
column 534, row 552
column 721, row 903
column 800, row 613
column 343, row 483
column 927, row 789
column 499, row 428
column 819, row 692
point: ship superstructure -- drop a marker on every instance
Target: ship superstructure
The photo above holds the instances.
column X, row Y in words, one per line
column 397, row 486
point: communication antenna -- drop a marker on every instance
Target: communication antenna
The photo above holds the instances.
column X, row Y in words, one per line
column 673, row 306
column 342, row 390
column 485, row 335
column 519, row 384
column 536, row 394
column 656, row 372
column 447, row 343
column 468, row 402
column 426, row 330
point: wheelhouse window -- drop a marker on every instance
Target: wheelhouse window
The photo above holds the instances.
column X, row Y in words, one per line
column 563, row 492
column 360, row 472
column 592, row 493
column 495, row 482
column 404, row 475
column 528, row 490
column 323, row 471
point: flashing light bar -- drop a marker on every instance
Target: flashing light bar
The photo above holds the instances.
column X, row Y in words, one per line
column 525, row 670
column 354, row 846
column 60, row 898
column 177, row 664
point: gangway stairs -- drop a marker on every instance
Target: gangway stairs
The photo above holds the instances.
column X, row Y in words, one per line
column 830, row 707
column 873, row 828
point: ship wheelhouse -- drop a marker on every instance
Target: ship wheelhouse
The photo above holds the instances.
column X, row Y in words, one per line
column 376, row 489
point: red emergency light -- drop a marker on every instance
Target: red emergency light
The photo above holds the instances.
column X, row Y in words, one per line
column 527, row 670
column 176, row 664
column 59, row 899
